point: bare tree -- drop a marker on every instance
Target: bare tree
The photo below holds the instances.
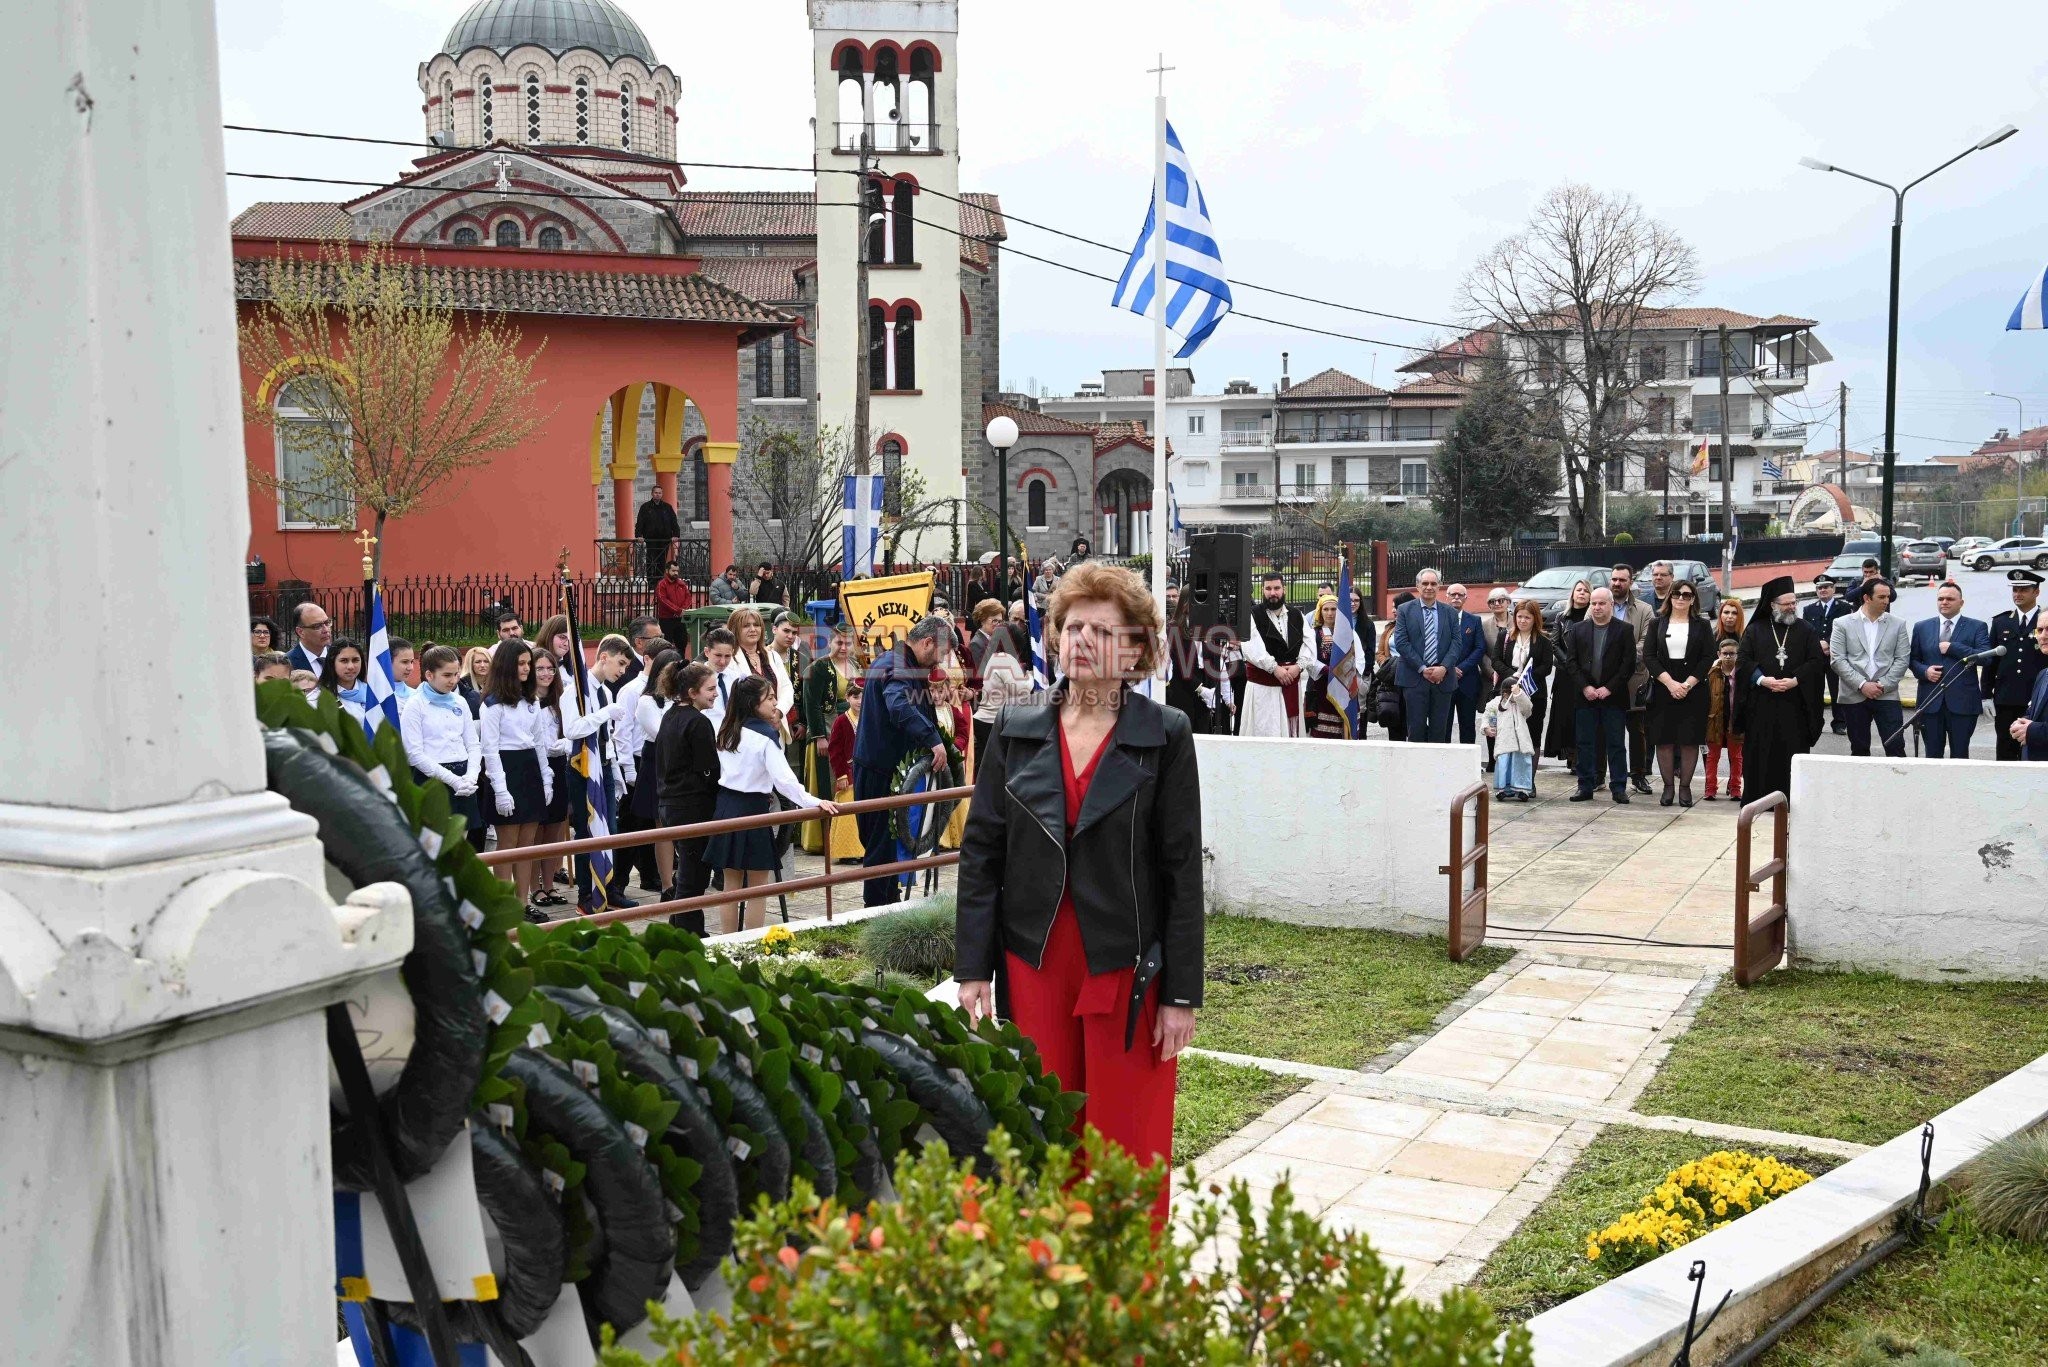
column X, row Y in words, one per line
column 1333, row 512
column 1568, row 294
column 798, row 482
column 397, row 391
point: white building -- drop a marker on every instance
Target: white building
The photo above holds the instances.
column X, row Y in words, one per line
column 1220, row 453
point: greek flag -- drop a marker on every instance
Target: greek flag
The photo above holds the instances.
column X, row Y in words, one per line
column 1198, row 295
column 383, row 706
column 1036, row 630
column 1343, row 672
column 1772, row 470
column 2031, row 312
column 854, row 557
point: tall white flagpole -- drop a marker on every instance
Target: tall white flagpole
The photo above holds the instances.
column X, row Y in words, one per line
column 1159, row 528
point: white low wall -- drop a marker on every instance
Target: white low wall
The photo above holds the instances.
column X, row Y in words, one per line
column 1328, row 832
column 1922, row 868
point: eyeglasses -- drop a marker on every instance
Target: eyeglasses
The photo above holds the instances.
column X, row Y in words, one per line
column 1682, row 593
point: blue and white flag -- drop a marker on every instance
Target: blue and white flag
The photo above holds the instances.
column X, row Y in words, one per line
column 1343, row 668
column 1035, row 628
column 1173, row 522
column 1197, row 294
column 383, row 706
column 2030, row 314
column 856, row 558
column 1772, row 470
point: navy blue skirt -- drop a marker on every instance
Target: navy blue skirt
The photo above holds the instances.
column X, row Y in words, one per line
column 464, row 807
column 523, row 783
column 753, row 849
column 558, row 810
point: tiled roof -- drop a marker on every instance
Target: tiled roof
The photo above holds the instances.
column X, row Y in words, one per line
column 771, row 279
column 1713, row 317
column 1331, row 384
column 1471, row 344
column 282, row 218
column 592, row 294
column 981, row 219
column 2032, row 440
column 1036, row 424
column 748, row 213
column 1109, row 434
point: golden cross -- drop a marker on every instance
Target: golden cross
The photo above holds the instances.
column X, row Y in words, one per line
column 365, row 540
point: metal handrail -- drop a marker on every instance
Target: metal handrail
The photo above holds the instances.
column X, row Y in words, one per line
column 1467, row 929
column 1760, row 940
column 761, row 891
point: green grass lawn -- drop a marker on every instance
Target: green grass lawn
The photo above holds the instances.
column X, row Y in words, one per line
column 1544, row 1262
column 1216, row 1099
column 1855, row 1056
column 1314, row 994
column 1966, row 1297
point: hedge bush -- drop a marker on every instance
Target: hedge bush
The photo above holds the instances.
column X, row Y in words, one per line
column 917, row 941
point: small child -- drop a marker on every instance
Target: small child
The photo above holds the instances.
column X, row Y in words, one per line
column 845, row 837
column 1514, row 749
column 1721, row 732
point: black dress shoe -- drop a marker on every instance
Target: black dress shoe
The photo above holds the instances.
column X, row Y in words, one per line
column 1620, row 798
column 1685, row 797
column 1641, row 785
column 619, row 903
column 1580, row 797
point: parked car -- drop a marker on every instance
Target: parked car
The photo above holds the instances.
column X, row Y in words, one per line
column 1551, row 589
column 1963, row 549
column 1921, row 559
column 2014, row 550
column 1846, row 570
column 1696, row 573
column 1942, row 541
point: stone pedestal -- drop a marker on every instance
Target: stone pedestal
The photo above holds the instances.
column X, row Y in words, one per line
column 165, row 941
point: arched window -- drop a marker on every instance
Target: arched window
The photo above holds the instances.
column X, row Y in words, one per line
column 1034, row 506
column 626, row 115
column 764, row 368
column 900, row 222
column 873, row 215
column 853, row 116
column 465, row 237
column 878, row 347
column 508, row 232
column 892, row 477
column 906, row 348
column 313, row 450
column 792, row 367
column 700, row 484
column 582, row 108
column 447, row 106
column 533, row 106
column 550, row 239
column 887, row 98
column 919, row 103
column 484, row 107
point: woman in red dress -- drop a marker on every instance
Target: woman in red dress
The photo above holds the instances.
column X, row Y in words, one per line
column 1081, row 872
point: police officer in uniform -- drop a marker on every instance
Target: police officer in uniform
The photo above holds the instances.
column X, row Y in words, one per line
column 2010, row 678
column 1821, row 614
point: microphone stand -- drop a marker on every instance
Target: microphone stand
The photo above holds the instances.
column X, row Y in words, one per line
column 1949, row 675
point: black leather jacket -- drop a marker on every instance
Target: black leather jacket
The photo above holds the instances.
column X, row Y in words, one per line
column 1133, row 861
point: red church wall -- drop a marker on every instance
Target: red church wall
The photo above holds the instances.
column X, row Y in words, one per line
column 512, row 517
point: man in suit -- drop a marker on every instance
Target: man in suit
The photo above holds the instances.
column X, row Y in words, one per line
column 1598, row 661
column 315, row 630
column 1821, row 615
column 1426, row 632
column 1869, row 652
column 1940, row 644
column 2010, row 679
column 1637, row 616
column 1468, row 663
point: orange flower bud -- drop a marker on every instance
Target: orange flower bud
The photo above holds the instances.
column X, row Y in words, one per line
column 758, row 1283
column 875, row 1237
column 1038, row 1251
column 788, row 1257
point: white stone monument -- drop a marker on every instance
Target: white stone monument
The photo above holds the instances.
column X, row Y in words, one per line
column 165, row 944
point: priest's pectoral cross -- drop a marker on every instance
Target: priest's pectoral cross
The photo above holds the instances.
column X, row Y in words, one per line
column 1781, row 657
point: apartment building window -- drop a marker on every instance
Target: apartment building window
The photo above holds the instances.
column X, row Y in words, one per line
column 1658, row 416
column 1616, row 474
column 1650, row 363
column 1195, row 422
column 1415, row 479
column 1244, row 481
column 1304, row 476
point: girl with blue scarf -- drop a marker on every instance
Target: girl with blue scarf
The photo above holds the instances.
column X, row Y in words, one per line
column 342, row 675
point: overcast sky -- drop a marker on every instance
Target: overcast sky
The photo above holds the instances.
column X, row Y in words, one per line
column 1366, row 153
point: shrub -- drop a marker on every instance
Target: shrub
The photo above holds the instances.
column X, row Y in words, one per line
column 1624, row 538
column 1692, row 1200
column 1042, row 1266
column 2009, row 1187
column 917, row 941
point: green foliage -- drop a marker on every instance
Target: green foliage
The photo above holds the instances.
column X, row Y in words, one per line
column 2009, row 1187
column 1214, row 1100
column 1631, row 518
column 1491, row 475
column 917, row 941
column 1043, row 1265
column 1624, row 538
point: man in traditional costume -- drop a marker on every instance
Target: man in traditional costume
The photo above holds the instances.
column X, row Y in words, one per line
column 1778, row 698
column 1278, row 655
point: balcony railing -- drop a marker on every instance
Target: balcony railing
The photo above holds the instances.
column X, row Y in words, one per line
column 1360, row 434
column 902, row 139
column 1247, row 493
column 1261, row 435
column 1780, row 431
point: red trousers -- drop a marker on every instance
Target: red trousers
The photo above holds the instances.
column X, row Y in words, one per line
column 1076, row 1018
column 1734, row 749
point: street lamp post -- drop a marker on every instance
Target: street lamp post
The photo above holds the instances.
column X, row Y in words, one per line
column 1891, row 349
column 2019, row 463
column 1002, row 435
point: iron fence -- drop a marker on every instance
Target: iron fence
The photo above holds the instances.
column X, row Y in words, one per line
column 447, row 608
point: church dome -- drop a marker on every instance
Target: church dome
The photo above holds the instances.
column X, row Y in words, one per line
column 556, row 25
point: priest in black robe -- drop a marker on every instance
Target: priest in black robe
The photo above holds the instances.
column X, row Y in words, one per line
column 1778, row 688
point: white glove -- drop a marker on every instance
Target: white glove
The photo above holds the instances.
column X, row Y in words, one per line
column 504, row 804
column 466, row 788
column 1206, row 694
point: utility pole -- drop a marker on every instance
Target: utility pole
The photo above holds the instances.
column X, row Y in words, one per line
column 1727, row 481
column 1842, row 455
column 863, row 455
